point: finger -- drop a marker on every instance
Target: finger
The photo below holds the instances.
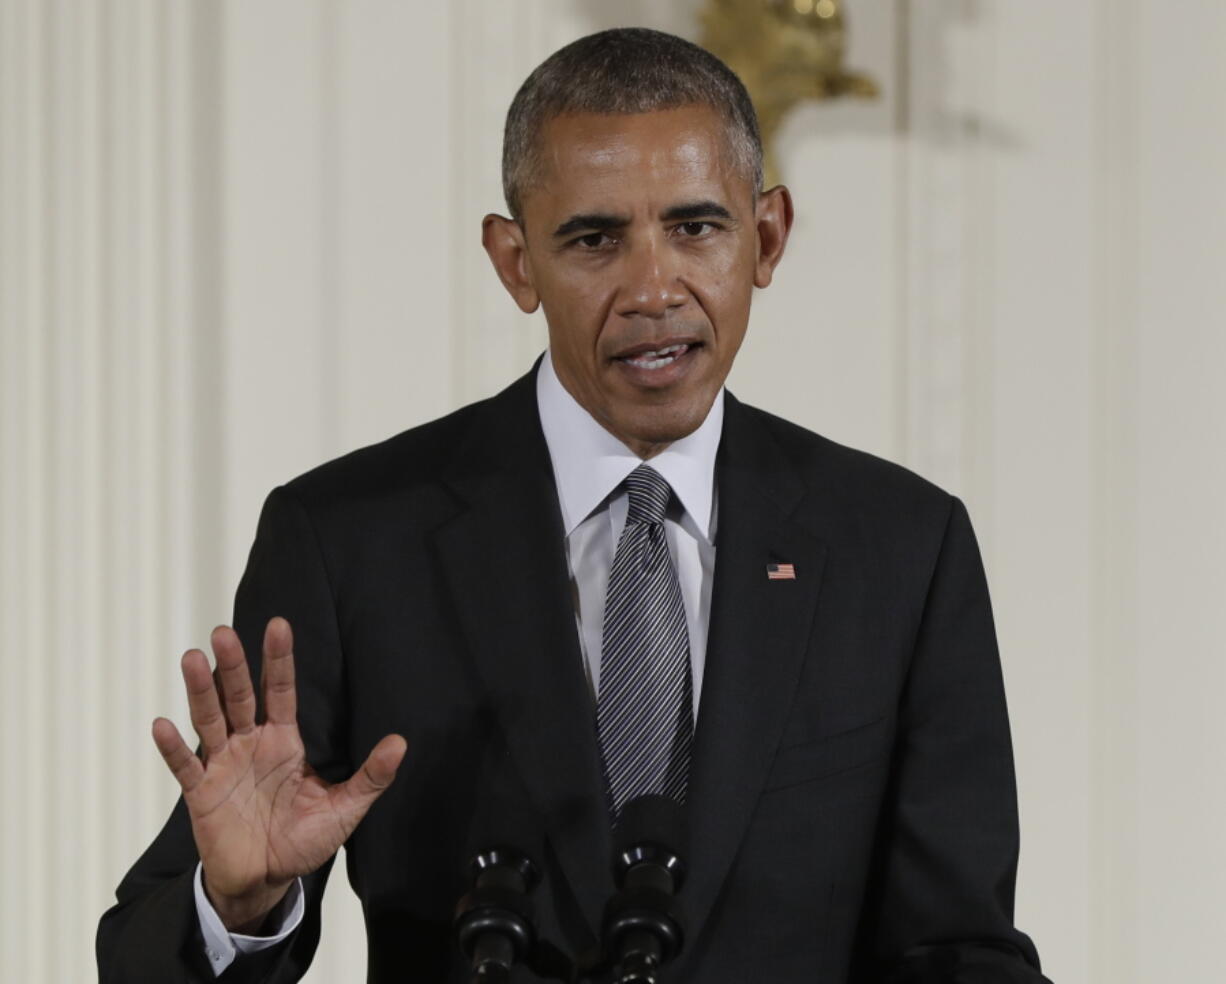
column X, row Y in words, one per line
column 181, row 760
column 280, row 698
column 236, row 688
column 202, row 702
column 355, row 796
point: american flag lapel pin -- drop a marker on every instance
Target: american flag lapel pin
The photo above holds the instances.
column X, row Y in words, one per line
column 780, row 572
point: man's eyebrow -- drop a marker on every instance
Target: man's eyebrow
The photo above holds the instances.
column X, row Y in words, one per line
column 696, row 210
column 592, row 222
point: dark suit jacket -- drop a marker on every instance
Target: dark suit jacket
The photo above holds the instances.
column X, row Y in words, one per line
column 852, row 806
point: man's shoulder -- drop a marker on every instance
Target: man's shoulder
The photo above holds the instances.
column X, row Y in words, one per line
column 414, row 460
column 823, row 461
column 847, row 477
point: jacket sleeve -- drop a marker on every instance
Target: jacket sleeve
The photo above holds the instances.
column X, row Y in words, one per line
column 940, row 905
column 152, row 932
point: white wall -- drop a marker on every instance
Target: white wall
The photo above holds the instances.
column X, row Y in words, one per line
column 237, row 238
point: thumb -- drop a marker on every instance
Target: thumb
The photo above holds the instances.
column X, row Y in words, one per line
column 354, row 797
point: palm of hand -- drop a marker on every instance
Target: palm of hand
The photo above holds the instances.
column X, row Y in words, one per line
column 260, row 815
column 256, row 790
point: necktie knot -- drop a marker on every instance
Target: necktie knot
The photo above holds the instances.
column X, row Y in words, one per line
column 649, row 493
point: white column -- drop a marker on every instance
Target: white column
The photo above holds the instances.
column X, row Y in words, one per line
column 1180, row 473
column 107, row 473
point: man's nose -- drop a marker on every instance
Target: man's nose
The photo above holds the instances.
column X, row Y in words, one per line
column 652, row 281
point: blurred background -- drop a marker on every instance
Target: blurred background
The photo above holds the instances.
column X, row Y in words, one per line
column 240, row 237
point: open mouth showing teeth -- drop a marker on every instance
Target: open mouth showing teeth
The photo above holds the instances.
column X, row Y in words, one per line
column 657, row 358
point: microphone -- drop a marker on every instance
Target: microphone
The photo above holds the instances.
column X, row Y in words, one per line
column 642, row 923
column 494, row 922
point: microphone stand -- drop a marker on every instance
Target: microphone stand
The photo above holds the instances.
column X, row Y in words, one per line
column 494, row 922
column 643, row 929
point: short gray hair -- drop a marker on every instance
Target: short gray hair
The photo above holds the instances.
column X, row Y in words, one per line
column 625, row 70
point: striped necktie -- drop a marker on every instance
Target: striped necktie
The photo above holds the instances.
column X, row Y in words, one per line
column 644, row 713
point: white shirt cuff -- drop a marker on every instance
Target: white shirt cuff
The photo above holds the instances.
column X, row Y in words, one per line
column 222, row 946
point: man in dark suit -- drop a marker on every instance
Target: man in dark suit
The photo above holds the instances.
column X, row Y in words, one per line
column 809, row 626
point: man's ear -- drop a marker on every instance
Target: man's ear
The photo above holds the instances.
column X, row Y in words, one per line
column 503, row 240
column 773, row 218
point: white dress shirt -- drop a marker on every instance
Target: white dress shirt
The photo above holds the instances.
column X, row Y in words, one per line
column 589, row 465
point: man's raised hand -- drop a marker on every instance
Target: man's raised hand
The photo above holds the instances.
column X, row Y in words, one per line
column 260, row 816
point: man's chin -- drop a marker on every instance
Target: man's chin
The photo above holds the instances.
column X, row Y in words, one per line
column 654, row 431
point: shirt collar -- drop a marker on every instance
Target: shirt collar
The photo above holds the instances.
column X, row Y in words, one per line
column 589, row 462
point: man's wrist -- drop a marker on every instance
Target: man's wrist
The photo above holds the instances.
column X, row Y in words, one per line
column 246, row 914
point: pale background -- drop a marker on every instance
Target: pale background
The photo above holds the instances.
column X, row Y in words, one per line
column 239, row 238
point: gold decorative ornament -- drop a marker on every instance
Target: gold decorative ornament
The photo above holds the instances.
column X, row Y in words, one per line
column 785, row 51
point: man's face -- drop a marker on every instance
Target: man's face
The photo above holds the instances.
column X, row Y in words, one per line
column 643, row 244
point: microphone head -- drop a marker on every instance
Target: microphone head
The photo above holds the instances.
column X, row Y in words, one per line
column 506, row 865
column 650, row 829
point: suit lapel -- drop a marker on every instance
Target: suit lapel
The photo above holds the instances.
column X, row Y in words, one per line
column 758, row 636
column 504, row 560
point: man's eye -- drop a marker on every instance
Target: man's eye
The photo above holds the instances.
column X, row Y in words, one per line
column 694, row 229
column 593, row 240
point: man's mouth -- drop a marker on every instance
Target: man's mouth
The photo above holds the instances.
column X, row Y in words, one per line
column 656, row 358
